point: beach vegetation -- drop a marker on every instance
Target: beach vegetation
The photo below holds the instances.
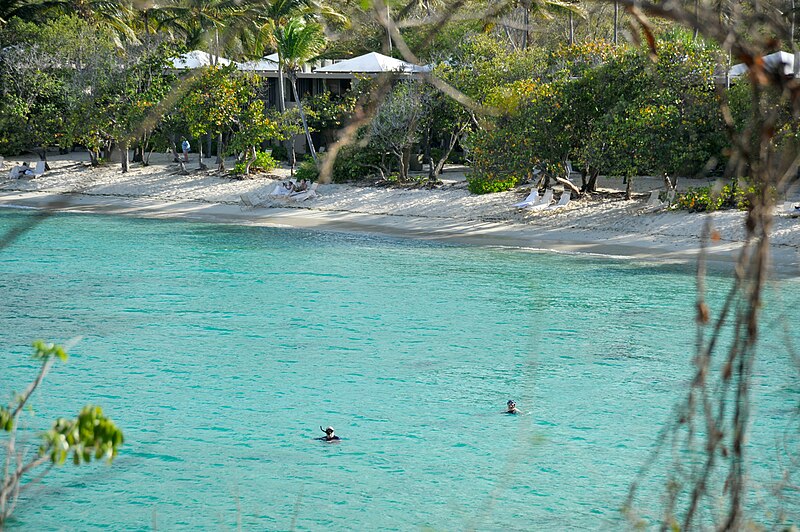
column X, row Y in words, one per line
column 90, row 435
column 613, row 111
column 713, row 198
column 307, row 170
column 395, row 128
column 488, row 184
column 262, row 161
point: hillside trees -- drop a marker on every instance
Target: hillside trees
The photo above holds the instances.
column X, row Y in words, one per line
column 624, row 116
column 212, row 105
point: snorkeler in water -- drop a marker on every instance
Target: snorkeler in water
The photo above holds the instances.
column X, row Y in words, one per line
column 329, row 435
column 512, row 407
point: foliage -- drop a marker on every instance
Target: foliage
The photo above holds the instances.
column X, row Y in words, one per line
column 624, row 116
column 214, row 100
column 90, row 435
column 326, row 111
column 279, row 153
column 307, row 170
column 708, row 199
column 263, row 162
column 487, row 184
column 395, row 128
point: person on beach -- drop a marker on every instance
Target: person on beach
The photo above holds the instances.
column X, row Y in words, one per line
column 511, row 407
column 329, row 435
column 185, row 147
column 300, row 186
column 20, row 171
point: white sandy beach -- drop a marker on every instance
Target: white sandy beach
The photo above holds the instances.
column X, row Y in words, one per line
column 608, row 225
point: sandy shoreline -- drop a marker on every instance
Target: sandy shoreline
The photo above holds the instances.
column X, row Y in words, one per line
column 610, row 226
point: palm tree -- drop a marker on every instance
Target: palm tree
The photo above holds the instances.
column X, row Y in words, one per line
column 196, row 19
column 298, row 42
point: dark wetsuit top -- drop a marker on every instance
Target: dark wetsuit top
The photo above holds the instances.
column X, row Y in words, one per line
column 325, row 438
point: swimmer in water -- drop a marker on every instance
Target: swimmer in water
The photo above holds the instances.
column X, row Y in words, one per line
column 329, row 435
column 512, row 407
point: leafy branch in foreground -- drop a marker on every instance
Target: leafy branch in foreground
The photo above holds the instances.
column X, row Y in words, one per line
column 91, row 434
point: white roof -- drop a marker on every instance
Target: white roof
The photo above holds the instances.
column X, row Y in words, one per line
column 775, row 62
column 196, row 59
column 371, row 63
column 265, row 64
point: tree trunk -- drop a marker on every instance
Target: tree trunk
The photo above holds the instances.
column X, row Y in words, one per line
column 208, row 145
column 42, row 153
column 249, row 160
column 401, row 170
column 406, row 163
column 616, row 20
column 427, row 155
column 289, row 143
column 594, row 173
column 200, row 157
column 123, row 155
column 571, row 29
column 220, row 158
column 303, row 118
column 450, row 145
column 629, row 188
column 525, row 21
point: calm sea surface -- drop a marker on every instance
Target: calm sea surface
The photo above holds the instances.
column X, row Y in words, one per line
column 220, row 350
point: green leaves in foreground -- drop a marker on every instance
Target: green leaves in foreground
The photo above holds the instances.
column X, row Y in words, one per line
column 89, row 435
column 6, row 420
column 43, row 351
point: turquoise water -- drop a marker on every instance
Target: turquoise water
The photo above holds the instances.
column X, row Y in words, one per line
column 220, row 350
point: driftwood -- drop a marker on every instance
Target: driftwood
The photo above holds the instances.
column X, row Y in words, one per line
column 568, row 184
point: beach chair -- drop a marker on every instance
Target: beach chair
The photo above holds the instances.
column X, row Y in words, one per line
column 279, row 191
column 545, row 203
column 654, row 204
column 39, row 170
column 249, row 201
column 532, row 199
column 791, row 209
column 311, row 193
column 653, row 201
column 563, row 201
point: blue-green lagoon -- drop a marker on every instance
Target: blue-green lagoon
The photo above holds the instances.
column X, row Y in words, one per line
column 221, row 349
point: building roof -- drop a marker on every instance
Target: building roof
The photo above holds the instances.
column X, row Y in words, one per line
column 782, row 62
column 371, row 63
column 197, row 59
column 265, row 64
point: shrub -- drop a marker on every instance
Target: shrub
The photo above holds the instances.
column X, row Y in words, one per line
column 279, row 153
column 355, row 162
column 706, row 199
column 307, row 170
column 487, row 184
column 263, row 163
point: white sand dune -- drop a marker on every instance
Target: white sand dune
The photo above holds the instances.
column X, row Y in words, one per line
column 597, row 224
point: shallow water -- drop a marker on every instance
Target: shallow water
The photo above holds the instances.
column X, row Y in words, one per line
column 220, row 350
